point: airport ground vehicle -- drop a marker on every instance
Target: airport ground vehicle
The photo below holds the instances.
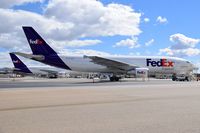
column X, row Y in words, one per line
column 114, row 66
column 180, row 77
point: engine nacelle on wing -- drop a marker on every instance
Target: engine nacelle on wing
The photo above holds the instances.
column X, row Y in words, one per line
column 131, row 72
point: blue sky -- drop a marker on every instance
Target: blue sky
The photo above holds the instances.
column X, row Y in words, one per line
column 171, row 28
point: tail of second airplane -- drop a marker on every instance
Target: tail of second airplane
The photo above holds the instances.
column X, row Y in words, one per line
column 37, row 43
column 18, row 64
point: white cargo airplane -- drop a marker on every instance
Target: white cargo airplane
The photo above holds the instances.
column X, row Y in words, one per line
column 114, row 66
column 21, row 68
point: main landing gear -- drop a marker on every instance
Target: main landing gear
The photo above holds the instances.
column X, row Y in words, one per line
column 115, row 78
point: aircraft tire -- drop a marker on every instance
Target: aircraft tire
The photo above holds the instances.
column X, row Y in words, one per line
column 111, row 79
column 114, row 78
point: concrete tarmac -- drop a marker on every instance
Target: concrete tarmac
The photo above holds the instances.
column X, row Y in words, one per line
column 79, row 106
column 29, row 82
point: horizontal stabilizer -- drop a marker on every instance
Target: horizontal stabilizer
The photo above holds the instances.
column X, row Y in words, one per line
column 31, row 56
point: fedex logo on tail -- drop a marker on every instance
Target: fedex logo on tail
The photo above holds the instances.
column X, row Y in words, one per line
column 16, row 61
column 160, row 63
column 37, row 41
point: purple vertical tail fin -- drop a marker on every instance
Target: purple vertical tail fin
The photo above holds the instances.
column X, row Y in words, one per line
column 18, row 64
column 37, row 43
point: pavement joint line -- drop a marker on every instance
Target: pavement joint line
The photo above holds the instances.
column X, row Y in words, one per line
column 94, row 103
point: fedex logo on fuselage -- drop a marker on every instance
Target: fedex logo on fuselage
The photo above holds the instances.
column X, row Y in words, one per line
column 160, row 63
column 37, row 41
column 140, row 72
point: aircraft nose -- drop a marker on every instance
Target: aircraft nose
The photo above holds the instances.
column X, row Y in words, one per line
column 194, row 67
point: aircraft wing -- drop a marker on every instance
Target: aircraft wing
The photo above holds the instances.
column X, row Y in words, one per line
column 112, row 64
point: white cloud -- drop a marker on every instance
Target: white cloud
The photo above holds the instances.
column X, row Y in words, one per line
column 92, row 18
column 161, row 19
column 5, row 59
column 10, row 3
column 166, row 51
column 75, row 43
column 191, row 51
column 181, row 41
column 135, row 54
column 183, row 46
column 146, row 20
column 7, row 42
column 150, row 42
column 129, row 42
column 180, row 52
column 12, row 36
